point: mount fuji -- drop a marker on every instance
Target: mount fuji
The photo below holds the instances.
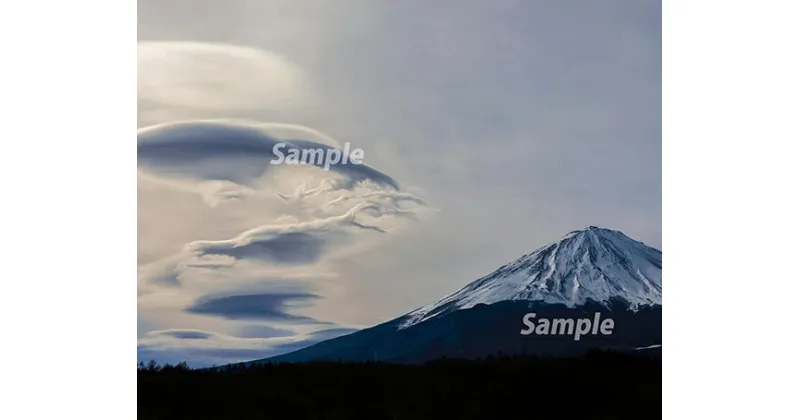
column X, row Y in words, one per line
column 592, row 264
column 586, row 272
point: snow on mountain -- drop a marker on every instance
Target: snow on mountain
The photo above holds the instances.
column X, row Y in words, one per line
column 591, row 263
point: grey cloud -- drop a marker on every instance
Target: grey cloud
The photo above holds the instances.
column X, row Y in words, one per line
column 286, row 248
column 284, row 244
column 262, row 306
column 187, row 334
column 313, row 338
column 288, row 244
column 164, row 273
column 167, row 278
column 332, row 332
column 232, row 151
column 262, row 331
column 354, row 172
column 299, row 243
column 219, row 349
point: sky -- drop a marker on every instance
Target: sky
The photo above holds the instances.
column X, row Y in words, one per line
column 488, row 129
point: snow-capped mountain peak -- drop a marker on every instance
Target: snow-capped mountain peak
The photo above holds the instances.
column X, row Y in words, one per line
column 589, row 264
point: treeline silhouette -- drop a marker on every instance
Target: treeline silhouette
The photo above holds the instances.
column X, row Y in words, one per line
column 600, row 385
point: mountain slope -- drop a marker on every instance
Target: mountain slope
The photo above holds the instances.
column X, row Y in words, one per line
column 589, row 264
column 589, row 271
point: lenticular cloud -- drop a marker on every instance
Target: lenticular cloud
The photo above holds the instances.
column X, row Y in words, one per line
column 231, row 158
column 307, row 213
column 257, row 220
column 215, row 77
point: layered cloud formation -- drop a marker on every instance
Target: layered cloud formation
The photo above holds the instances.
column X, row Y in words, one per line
column 519, row 120
column 238, row 254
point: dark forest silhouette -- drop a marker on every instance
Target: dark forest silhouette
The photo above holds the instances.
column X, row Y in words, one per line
column 600, row 385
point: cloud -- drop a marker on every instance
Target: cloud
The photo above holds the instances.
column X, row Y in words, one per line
column 203, row 349
column 236, row 153
column 332, row 332
column 223, row 231
column 284, row 248
column 228, row 161
column 191, row 79
column 272, row 306
column 187, row 334
column 293, row 243
column 396, row 198
column 262, row 331
column 163, row 273
column 520, row 120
